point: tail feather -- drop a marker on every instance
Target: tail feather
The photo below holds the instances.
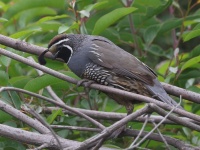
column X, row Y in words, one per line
column 161, row 94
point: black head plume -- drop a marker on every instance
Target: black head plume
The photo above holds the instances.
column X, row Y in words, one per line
column 41, row 59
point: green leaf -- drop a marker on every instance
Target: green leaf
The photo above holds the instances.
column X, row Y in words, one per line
column 4, row 116
column 3, row 78
column 150, row 33
column 28, row 4
column 154, row 11
column 52, row 18
column 5, row 60
column 43, row 81
column 65, row 28
column 110, row 18
column 25, row 33
column 53, row 116
column 191, row 62
column 29, row 16
column 19, row 81
column 192, row 34
column 3, row 19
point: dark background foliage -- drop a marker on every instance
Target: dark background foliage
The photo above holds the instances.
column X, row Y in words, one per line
column 163, row 34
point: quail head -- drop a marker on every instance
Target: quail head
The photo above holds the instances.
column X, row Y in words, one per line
column 98, row 59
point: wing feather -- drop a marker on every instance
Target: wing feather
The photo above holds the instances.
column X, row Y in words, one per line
column 112, row 57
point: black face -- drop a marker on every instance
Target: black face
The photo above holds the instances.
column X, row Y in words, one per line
column 62, row 51
column 59, row 47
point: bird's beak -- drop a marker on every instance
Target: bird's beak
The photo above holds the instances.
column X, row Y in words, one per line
column 54, row 51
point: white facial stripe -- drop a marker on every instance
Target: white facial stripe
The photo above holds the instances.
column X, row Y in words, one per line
column 68, row 47
column 64, row 40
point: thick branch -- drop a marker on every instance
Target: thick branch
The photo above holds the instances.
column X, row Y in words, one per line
column 176, row 91
column 36, row 139
column 22, row 46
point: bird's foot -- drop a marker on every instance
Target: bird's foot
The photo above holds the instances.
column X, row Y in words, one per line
column 84, row 82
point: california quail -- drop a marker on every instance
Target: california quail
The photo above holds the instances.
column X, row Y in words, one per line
column 97, row 58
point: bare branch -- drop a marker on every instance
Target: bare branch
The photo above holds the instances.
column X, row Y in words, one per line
column 176, row 91
column 26, row 119
column 22, row 46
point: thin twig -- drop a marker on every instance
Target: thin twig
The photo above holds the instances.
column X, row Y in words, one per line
column 39, row 118
column 141, row 130
column 144, row 138
column 167, row 145
column 76, row 128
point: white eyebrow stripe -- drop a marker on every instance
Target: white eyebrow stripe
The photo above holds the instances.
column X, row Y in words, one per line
column 67, row 46
column 95, row 53
column 64, row 40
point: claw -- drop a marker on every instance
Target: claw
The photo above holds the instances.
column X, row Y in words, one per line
column 85, row 82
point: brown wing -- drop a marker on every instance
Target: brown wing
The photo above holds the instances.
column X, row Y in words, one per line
column 119, row 61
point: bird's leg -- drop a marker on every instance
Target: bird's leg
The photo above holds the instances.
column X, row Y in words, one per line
column 84, row 82
column 129, row 108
